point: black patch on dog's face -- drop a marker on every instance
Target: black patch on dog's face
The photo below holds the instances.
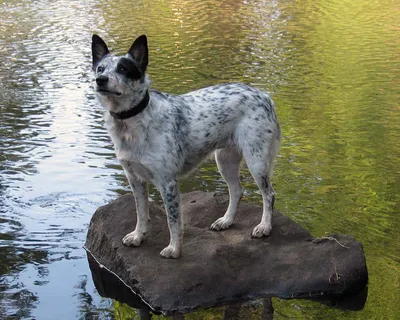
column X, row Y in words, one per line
column 128, row 68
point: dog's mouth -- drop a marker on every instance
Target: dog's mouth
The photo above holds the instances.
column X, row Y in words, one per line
column 108, row 92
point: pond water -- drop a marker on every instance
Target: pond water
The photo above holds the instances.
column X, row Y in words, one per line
column 333, row 68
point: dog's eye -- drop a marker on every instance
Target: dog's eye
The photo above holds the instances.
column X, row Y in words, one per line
column 127, row 68
column 100, row 69
column 121, row 69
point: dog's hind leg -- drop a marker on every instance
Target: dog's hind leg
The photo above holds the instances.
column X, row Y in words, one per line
column 139, row 189
column 264, row 228
column 228, row 162
column 260, row 166
column 170, row 194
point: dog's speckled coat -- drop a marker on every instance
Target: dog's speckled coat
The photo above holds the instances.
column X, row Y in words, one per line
column 173, row 134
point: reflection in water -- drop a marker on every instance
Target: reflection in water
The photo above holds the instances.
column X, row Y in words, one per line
column 333, row 68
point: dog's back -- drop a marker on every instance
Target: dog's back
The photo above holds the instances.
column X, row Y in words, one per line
column 221, row 116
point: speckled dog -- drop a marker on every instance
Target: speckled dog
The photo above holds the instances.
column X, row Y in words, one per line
column 159, row 137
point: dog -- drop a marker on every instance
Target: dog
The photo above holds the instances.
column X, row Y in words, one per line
column 159, row 137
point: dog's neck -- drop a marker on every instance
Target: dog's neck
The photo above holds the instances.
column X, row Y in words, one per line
column 136, row 109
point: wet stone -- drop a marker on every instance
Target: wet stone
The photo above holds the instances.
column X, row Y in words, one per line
column 219, row 268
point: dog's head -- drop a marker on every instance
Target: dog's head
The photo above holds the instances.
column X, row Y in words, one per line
column 120, row 80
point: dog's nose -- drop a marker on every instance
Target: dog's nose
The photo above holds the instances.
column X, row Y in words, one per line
column 102, row 80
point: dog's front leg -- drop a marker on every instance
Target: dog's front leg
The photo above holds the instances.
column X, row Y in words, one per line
column 139, row 189
column 170, row 193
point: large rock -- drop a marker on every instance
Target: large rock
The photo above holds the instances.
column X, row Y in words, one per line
column 218, row 268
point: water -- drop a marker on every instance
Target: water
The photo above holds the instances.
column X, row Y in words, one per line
column 333, row 69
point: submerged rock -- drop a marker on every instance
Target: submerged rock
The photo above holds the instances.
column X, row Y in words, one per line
column 218, row 268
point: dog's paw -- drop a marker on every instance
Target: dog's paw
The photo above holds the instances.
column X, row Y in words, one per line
column 221, row 224
column 170, row 253
column 262, row 230
column 133, row 239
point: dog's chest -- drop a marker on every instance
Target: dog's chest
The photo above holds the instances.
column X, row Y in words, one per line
column 135, row 157
column 139, row 169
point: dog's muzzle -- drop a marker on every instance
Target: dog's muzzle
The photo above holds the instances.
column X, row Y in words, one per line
column 102, row 82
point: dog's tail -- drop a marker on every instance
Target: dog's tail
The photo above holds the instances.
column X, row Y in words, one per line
column 275, row 145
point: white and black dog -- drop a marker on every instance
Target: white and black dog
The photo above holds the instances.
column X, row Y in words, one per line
column 159, row 137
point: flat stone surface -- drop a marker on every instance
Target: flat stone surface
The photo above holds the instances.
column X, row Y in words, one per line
column 218, row 268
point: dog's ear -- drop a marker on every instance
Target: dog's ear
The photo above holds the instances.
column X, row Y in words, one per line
column 99, row 49
column 140, row 52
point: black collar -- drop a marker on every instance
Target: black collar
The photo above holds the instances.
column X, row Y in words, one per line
column 134, row 110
